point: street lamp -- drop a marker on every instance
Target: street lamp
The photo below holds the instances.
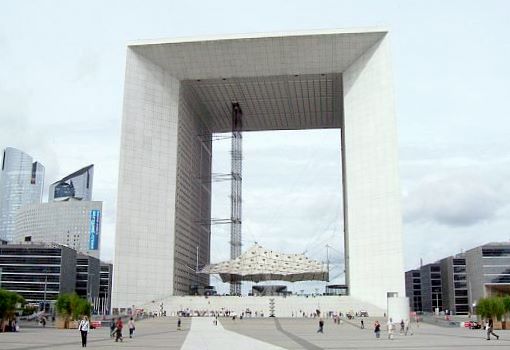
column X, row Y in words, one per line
column 45, row 271
column 89, row 289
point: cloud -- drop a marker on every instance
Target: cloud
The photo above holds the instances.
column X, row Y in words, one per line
column 459, row 200
column 20, row 131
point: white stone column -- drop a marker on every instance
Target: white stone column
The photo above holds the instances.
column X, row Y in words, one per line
column 144, row 246
column 373, row 227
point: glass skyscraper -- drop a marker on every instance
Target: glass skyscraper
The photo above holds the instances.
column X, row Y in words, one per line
column 77, row 185
column 21, row 183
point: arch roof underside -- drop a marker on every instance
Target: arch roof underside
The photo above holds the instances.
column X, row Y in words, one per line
column 281, row 82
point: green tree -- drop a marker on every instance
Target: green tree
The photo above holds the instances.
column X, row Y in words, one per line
column 9, row 301
column 491, row 307
column 506, row 305
column 72, row 307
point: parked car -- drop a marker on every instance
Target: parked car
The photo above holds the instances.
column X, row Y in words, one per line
column 95, row 324
column 476, row 325
column 472, row 325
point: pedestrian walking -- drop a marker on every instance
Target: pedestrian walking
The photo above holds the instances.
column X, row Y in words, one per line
column 408, row 327
column 377, row 329
column 362, row 324
column 390, row 329
column 489, row 327
column 84, row 328
column 179, row 324
column 131, row 326
column 321, row 325
column 112, row 328
column 402, row 326
column 118, row 330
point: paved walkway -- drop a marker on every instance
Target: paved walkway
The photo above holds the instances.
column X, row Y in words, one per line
column 257, row 333
column 158, row 333
column 301, row 334
column 205, row 335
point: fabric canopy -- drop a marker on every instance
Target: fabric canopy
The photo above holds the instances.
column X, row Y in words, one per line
column 261, row 264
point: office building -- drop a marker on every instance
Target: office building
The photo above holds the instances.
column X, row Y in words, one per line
column 178, row 93
column 455, row 284
column 87, row 276
column 413, row 289
column 38, row 272
column 77, row 185
column 94, row 282
column 105, row 288
column 431, row 287
column 21, row 183
column 488, row 270
column 74, row 223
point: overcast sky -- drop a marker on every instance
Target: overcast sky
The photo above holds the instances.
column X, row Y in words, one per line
column 61, row 86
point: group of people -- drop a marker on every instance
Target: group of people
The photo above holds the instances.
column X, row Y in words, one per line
column 117, row 326
column 404, row 328
column 115, row 329
column 218, row 313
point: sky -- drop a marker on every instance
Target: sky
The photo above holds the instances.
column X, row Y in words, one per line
column 62, row 69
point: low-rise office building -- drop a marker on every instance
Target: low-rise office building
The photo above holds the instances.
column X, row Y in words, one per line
column 431, row 287
column 105, row 287
column 38, row 272
column 87, row 276
column 413, row 289
column 455, row 284
column 488, row 270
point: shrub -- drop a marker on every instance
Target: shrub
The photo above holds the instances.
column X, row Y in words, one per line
column 9, row 301
column 491, row 307
column 506, row 303
column 71, row 306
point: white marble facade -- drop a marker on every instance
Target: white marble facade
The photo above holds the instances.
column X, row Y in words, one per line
column 179, row 92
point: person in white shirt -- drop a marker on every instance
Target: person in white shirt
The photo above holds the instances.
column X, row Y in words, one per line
column 131, row 326
column 390, row 329
column 84, row 328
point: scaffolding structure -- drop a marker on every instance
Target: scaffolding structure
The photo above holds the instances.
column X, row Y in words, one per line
column 236, row 191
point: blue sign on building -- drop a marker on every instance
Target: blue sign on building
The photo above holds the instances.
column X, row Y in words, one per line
column 95, row 218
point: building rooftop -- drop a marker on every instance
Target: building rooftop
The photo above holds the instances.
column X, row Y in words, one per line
column 76, row 173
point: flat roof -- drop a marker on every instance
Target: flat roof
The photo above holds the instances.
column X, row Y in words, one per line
column 282, row 80
column 297, row 33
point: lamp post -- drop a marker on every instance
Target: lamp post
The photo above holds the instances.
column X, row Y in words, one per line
column 89, row 289
column 45, row 289
column 45, row 271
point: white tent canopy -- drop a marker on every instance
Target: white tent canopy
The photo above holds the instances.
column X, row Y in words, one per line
column 261, row 264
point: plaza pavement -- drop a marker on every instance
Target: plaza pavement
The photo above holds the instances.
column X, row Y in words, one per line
column 301, row 333
column 205, row 335
column 158, row 333
column 252, row 334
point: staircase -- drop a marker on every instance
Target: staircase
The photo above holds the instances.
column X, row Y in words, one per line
column 290, row 306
